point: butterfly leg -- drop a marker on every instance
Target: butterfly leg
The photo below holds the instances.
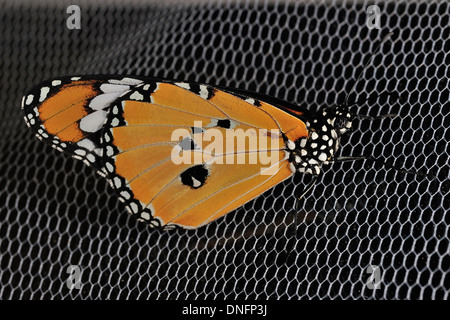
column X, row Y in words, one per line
column 294, row 233
column 383, row 116
column 386, row 165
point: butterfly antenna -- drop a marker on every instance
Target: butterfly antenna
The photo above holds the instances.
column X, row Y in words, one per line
column 371, row 99
column 366, row 66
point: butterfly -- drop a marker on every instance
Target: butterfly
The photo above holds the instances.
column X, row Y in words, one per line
column 124, row 128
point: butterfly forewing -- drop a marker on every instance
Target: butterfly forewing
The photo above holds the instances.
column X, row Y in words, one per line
column 69, row 113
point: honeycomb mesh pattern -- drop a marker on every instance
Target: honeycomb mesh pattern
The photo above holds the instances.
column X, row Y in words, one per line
column 56, row 212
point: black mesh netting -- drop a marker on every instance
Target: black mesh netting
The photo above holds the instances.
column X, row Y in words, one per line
column 56, row 212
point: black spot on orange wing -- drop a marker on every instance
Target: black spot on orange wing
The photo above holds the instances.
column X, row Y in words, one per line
column 224, row 123
column 195, row 176
column 188, row 144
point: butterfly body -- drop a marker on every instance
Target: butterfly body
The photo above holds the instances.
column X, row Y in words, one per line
column 125, row 128
column 322, row 142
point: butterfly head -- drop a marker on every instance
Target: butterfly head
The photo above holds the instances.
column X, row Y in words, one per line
column 325, row 131
column 339, row 118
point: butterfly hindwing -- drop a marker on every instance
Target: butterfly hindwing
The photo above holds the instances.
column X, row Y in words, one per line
column 135, row 131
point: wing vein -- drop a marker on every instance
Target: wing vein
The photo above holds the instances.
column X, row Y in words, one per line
column 211, row 160
column 227, row 187
column 230, row 118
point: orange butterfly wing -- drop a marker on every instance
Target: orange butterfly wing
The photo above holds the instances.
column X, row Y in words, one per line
column 131, row 141
column 69, row 113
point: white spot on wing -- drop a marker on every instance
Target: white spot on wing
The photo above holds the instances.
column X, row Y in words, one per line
column 323, row 157
column 109, row 151
column 109, row 167
column 212, row 124
column 129, row 81
column 183, row 85
column 290, row 144
column 103, row 100
column 145, row 215
column 233, row 124
column 86, row 143
column 134, row 207
column 80, row 152
column 136, row 96
column 115, row 122
column 29, row 99
column 91, row 158
column 203, row 91
column 126, row 195
column 117, row 182
column 196, row 183
column 56, row 82
column 292, row 167
column 302, row 143
column 44, row 92
column 94, row 121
